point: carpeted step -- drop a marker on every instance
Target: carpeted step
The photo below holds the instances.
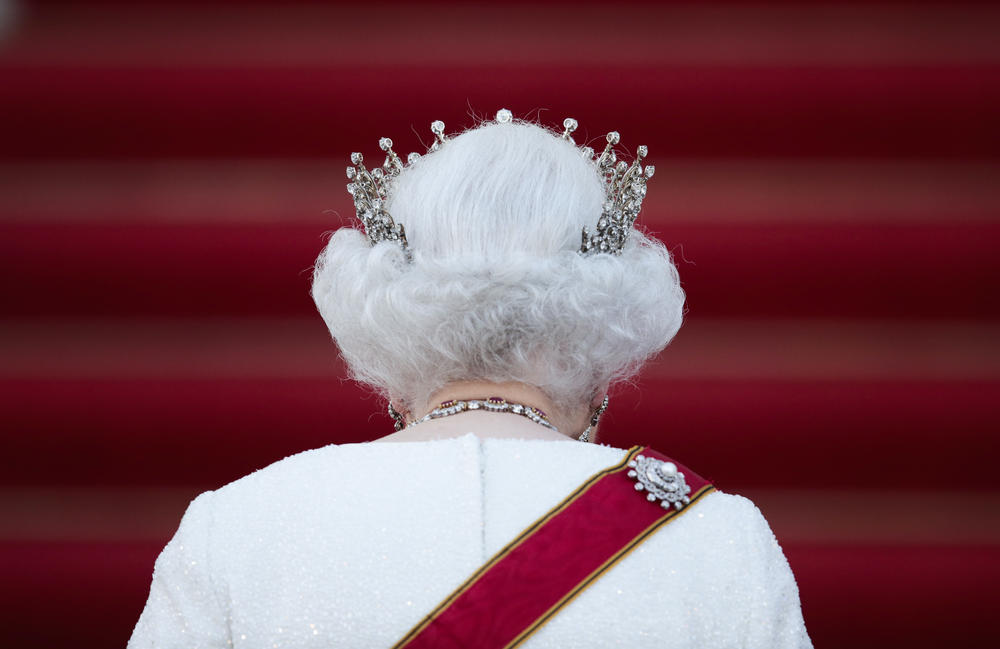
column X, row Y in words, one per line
column 753, row 433
column 202, row 111
column 696, row 80
column 859, row 597
column 685, row 191
column 752, row 269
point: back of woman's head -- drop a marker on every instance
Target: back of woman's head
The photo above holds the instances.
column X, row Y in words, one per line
column 497, row 289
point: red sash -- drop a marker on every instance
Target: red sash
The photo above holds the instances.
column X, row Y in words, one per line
column 552, row 561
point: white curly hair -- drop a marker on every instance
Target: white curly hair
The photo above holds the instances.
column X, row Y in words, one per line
column 497, row 289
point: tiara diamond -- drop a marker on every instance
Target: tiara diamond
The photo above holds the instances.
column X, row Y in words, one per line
column 624, row 190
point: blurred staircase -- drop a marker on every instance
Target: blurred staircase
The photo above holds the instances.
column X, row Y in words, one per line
column 827, row 177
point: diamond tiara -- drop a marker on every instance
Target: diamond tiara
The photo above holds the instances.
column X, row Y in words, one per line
column 624, row 190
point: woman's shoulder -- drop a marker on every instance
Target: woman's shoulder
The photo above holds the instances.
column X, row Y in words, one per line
column 285, row 472
column 737, row 514
column 332, row 467
column 734, row 504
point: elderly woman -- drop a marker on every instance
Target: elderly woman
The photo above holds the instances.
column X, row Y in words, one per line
column 494, row 330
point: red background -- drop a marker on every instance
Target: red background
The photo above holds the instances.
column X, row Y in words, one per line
column 827, row 176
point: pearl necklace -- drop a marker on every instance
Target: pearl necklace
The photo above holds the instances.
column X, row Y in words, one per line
column 493, row 404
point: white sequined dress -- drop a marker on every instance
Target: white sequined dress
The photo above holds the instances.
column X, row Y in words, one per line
column 351, row 545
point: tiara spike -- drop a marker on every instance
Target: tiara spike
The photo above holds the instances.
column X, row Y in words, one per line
column 617, row 173
column 607, row 159
column 569, row 124
column 393, row 165
column 635, row 169
column 437, row 128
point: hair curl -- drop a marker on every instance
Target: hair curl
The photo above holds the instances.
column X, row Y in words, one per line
column 497, row 290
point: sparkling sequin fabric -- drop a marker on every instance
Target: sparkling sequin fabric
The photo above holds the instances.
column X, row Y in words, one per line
column 351, row 545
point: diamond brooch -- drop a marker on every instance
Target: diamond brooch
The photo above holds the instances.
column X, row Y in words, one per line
column 660, row 480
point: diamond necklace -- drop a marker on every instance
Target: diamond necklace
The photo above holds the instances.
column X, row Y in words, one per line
column 493, row 404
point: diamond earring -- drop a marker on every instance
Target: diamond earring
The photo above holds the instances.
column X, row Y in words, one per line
column 585, row 435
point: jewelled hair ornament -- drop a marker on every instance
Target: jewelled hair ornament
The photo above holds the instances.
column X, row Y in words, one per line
column 624, row 190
